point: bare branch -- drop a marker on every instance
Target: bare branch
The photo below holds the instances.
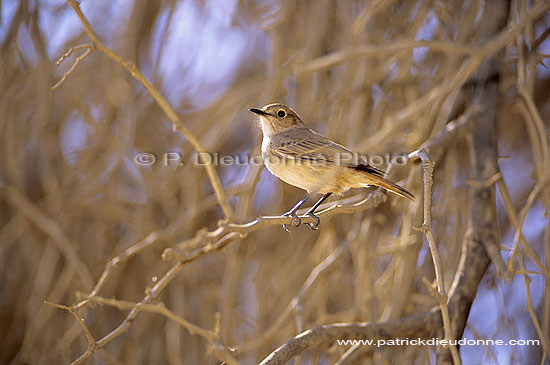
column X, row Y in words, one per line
column 205, row 242
column 428, row 168
column 163, row 104
column 483, row 51
column 417, row 325
column 123, row 327
column 53, row 230
column 85, row 328
column 89, row 49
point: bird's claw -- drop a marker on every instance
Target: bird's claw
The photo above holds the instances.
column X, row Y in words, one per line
column 296, row 221
column 315, row 226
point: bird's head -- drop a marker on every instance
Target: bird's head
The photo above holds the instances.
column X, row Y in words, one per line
column 276, row 118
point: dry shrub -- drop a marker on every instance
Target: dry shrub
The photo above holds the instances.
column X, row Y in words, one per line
column 378, row 76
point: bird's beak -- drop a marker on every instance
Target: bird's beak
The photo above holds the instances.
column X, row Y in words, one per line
column 258, row 111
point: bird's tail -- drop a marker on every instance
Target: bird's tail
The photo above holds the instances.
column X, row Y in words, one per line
column 376, row 177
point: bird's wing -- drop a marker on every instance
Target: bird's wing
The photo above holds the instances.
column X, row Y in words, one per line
column 306, row 144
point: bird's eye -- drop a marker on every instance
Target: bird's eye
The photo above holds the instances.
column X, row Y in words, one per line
column 281, row 113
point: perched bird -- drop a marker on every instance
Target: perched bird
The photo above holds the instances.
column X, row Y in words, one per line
column 304, row 158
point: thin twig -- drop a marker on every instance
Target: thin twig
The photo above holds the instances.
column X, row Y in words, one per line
column 481, row 51
column 73, row 311
column 89, row 49
column 211, row 336
column 205, row 242
column 416, row 325
column 338, row 57
column 541, row 184
column 124, row 256
column 312, row 278
column 163, row 104
column 52, row 228
column 449, row 133
column 71, row 50
column 123, row 327
column 512, row 218
column 427, row 169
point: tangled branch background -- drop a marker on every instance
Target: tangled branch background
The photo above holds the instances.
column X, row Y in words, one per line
column 114, row 259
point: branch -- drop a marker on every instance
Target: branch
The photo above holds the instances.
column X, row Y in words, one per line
column 335, row 58
column 52, row 229
column 298, row 298
column 481, row 51
column 89, row 49
column 428, row 321
column 124, row 256
column 484, row 247
column 446, row 87
column 441, row 296
column 213, row 337
column 225, row 233
column 123, row 327
column 419, row 325
column 474, row 260
column 205, row 241
column 449, row 134
column 161, row 101
column 80, row 321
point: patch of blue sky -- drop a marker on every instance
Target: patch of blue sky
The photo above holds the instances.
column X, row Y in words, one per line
column 267, row 194
column 74, row 137
column 425, row 33
column 203, row 51
column 376, row 94
column 509, row 168
column 58, row 23
column 7, row 12
column 543, row 68
column 26, row 46
column 486, row 323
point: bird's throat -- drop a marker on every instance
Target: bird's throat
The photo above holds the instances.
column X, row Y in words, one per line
column 265, row 145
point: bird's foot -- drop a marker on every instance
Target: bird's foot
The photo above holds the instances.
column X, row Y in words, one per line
column 296, row 221
column 313, row 226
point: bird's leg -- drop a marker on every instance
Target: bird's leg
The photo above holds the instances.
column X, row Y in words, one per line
column 296, row 221
column 312, row 210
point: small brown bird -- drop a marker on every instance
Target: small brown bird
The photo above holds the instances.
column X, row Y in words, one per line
column 302, row 157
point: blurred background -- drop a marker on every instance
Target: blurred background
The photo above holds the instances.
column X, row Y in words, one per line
column 74, row 193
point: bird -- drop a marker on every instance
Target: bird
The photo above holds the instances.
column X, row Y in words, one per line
column 304, row 158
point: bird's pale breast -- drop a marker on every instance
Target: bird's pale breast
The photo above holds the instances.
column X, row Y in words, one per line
column 313, row 176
